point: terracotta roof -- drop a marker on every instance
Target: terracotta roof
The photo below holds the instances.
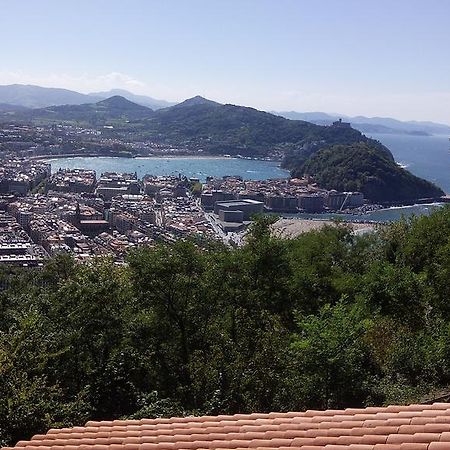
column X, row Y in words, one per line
column 413, row 427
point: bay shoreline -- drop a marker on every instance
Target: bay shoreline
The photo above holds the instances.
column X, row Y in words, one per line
column 95, row 155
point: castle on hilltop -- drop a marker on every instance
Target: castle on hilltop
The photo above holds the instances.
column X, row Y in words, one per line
column 339, row 123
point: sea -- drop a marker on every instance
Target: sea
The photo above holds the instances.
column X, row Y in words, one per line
column 380, row 216
column 189, row 166
column 425, row 156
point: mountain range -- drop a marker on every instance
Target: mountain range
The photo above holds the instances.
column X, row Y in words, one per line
column 196, row 123
column 143, row 100
column 92, row 114
column 202, row 125
column 31, row 96
column 371, row 124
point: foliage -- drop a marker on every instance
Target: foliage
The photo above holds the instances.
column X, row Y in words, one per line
column 197, row 124
column 196, row 189
column 364, row 168
column 328, row 319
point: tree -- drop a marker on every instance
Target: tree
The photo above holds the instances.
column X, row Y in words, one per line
column 333, row 360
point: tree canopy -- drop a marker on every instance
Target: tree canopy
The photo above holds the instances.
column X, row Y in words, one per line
column 325, row 320
column 363, row 167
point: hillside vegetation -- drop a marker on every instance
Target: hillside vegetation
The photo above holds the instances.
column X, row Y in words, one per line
column 362, row 167
column 92, row 114
column 326, row 320
column 338, row 157
column 197, row 123
column 237, row 129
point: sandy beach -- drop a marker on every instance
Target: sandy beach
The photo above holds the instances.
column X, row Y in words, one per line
column 93, row 155
column 290, row 228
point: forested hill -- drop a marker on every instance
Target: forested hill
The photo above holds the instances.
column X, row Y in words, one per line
column 241, row 130
column 197, row 123
column 361, row 167
column 92, row 114
column 325, row 320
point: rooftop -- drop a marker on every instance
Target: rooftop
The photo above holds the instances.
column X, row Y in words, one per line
column 413, row 427
column 243, row 202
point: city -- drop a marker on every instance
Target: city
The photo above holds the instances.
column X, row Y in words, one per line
column 225, row 225
column 72, row 211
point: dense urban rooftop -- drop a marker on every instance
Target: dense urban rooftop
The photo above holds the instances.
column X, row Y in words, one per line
column 85, row 214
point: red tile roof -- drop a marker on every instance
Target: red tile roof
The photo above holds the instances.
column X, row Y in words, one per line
column 414, row 427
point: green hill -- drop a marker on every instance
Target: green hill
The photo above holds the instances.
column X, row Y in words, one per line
column 143, row 100
column 93, row 114
column 361, row 167
column 198, row 123
column 339, row 157
column 238, row 130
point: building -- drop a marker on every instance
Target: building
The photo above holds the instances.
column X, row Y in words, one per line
column 72, row 180
column 20, row 186
column 112, row 184
column 209, row 199
column 122, row 221
column 340, row 124
column 22, row 260
column 281, row 203
column 335, row 200
column 19, row 176
column 248, row 207
column 231, row 221
column 16, row 248
column 340, row 200
column 311, row 203
column 246, row 195
column 231, row 216
column 354, row 199
column 93, row 227
column 24, row 217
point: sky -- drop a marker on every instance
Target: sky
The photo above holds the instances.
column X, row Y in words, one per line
column 385, row 58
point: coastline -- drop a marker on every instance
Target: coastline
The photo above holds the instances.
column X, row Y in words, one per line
column 358, row 216
column 70, row 155
column 94, row 155
column 184, row 157
column 383, row 215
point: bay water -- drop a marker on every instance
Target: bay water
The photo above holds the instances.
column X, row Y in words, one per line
column 425, row 156
column 188, row 166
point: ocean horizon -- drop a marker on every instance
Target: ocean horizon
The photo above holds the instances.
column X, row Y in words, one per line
column 427, row 157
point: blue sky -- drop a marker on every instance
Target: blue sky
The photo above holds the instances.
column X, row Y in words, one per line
column 368, row 57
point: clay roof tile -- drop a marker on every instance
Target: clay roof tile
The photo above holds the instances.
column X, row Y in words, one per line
column 412, row 427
